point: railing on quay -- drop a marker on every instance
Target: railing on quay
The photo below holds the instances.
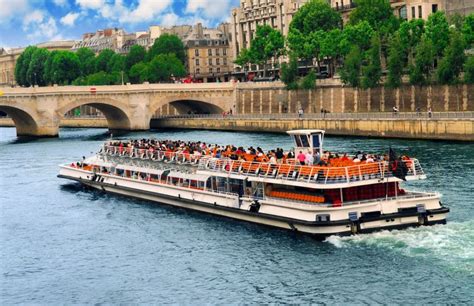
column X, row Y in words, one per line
column 322, row 116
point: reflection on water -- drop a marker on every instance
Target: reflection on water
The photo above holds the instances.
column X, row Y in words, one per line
column 63, row 243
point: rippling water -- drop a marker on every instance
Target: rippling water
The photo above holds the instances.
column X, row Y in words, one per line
column 63, row 244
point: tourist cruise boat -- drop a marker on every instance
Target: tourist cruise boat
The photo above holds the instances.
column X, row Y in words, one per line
column 343, row 198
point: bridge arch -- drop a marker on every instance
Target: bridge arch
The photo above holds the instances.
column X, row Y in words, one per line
column 26, row 122
column 187, row 106
column 114, row 111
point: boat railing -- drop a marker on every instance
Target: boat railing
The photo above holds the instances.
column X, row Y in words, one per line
column 154, row 155
column 307, row 173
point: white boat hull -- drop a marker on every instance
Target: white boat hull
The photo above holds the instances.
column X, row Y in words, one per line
column 269, row 213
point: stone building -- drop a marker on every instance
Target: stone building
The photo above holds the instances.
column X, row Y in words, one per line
column 114, row 39
column 251, row 13
column 209, row 57
column 8, row 58
column 410, row 9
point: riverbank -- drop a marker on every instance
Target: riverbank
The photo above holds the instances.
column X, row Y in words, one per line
column 422, row 128
column 88, row 122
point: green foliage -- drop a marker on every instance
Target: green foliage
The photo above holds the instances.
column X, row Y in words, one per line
column 395, row 62
column 117, row 63
column 139, row 73
column 356, row 35
column 372, row 72
column 100, row 78
column 164, row 66
column 266, row 44
column 456, row 20
column 35, row 73
column 65, row 67
column 87, row 60
column 437, row 30
column 103, row 61
column 308, row 28
column 137, row 54
column 375, row 12
column 469, row 70
column 350, row 73
column 410, row 33
column 309, row 81
column 420, row 72
column 468, row 31
column 22, row 65
column 289, row 73
column 166, row 44
column 244, row 58
column 48, row 68
column 452, row 63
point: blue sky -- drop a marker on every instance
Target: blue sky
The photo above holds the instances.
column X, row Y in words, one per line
column 25, row 22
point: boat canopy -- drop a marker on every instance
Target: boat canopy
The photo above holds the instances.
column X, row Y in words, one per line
column 305, row 140
column 189, row 176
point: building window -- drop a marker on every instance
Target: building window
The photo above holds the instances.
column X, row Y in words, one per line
column 217, row 61
column 217, row 51
column 218, row 70
column 210, row 70
column 434, row 8
column 197, row 62
column 198, row 70
column 224, row 51
column 209, row 52
column 413, row 14
column 225, row 61
column 210, row 62
column 403, row 12
column 420, row 12
column 196, row 52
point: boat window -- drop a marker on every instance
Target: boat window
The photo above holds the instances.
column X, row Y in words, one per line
column 304, row 141
column 298, row 141
column 316, row 143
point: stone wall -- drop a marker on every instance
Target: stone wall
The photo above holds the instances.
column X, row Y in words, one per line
column 446, row 129
column 273, row 100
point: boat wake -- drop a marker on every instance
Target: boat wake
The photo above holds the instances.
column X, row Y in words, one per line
column 452, row 244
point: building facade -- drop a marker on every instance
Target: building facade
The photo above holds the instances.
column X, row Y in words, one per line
column 8, row 58
column 251, row 13
column 208, row 51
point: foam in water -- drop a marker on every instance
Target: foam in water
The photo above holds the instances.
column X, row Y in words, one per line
column 452, row 244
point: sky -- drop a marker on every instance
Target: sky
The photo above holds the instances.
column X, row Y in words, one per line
column 27, row 22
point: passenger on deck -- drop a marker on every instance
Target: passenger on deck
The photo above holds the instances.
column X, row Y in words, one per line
column 301, row 158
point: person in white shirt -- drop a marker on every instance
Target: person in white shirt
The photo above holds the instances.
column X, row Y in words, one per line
column 309, row 159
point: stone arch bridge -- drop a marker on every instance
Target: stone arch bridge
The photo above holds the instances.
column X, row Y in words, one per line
column 37, row 111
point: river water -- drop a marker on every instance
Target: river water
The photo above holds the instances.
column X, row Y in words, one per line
column 62, row 244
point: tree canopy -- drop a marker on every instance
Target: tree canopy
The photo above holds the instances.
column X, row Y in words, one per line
column 22, row 65
column 166, row 44
column 165, row 66
column 137, row 54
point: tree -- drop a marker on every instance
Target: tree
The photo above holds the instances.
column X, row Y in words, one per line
column 289, row 73
column 137, row 54
column 468, row 31
column 375, row 12
column 267, row 43
column 309, row 24
column 86, row 60
column 48, row 68
column 103, row 60
column 410, row 33
column 372, row 72
column 420, row 73
column 65, row 67
column 350, row 72
column 35, row 73
column 244, row 58
column 356, row 35
column 117, row 63
column 329, row 48
column 22, row 65
column 469, row 70
column 452, row 63
column 396, row 58
column 437, row 30
column 165, row 66
column 309, row 81
column 139, row 73
column 166, row 44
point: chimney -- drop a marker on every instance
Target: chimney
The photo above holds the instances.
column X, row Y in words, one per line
column 199, row 31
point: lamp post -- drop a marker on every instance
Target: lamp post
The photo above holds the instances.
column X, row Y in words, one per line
column 35, row 78
column 121, row 72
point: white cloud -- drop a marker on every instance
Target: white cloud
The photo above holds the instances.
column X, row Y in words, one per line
column 60, row 2
column 210, row 8
column 39, row 25
column 169, row 19
column 10, row 9
column 91, row 4
column 69, row 19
